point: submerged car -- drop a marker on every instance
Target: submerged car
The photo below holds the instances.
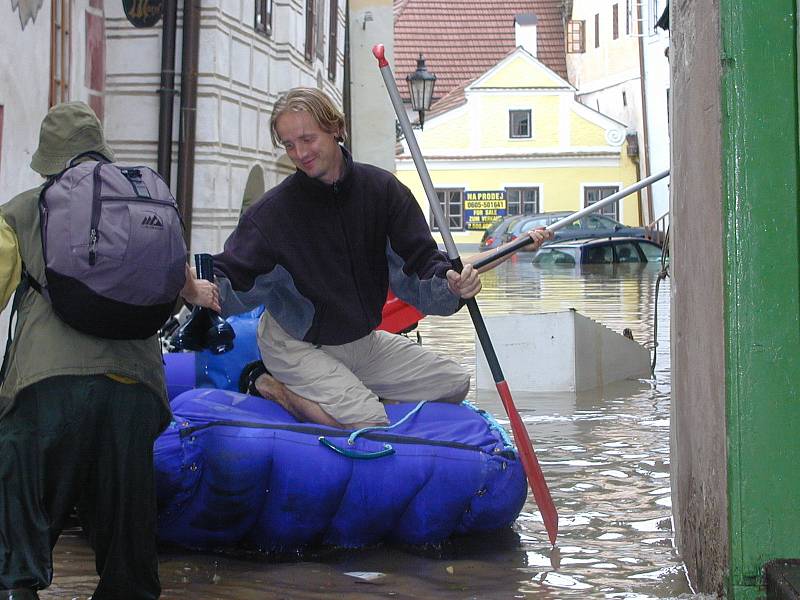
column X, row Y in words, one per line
column 614, row 250
column 494, row 235
column 589, row 226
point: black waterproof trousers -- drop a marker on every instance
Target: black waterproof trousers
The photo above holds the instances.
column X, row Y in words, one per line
column 85, row 442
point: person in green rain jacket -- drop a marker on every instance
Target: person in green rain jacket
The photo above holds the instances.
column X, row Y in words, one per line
column 78, row 414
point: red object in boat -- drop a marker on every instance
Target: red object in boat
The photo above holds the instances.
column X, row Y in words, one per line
column 398, row 317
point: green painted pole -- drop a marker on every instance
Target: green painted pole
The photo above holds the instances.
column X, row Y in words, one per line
column 761, row 285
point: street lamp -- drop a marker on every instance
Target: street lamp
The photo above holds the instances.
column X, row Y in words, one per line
column 420, row 84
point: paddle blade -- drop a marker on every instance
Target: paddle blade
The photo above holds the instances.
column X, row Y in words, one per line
column 541, row 493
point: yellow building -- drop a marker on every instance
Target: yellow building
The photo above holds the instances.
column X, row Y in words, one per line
column 513, row 141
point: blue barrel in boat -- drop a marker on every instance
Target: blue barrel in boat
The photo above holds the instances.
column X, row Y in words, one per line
column 189, row 370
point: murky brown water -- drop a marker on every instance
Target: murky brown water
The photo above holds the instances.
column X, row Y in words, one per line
column 605, row 454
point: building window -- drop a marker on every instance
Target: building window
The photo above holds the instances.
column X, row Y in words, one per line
column 332, row 39
column 60, row 55
column 263, row 22
column 522, row 201
column 95, row 73
column 452, row 204
column 576, row 37
column 519, row 123
column 615, row 21
column 652, row 16
column 624, row 98
column 628, row 17
column 310, row 39
column 595, row 194
column 597, row 30
column 319, row 29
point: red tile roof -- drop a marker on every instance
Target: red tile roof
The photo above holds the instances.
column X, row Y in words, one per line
column 462, row 39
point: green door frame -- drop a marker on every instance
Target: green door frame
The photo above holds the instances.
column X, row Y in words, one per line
column 760, row 157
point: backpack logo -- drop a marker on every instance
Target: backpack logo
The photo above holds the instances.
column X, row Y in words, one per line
column 152, row 222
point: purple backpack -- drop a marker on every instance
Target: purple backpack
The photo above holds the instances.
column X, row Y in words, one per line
column 113, row 247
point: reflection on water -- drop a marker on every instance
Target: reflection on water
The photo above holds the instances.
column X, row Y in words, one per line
column 605, row 454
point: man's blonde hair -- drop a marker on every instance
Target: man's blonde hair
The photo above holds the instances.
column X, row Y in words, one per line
column 316, row 103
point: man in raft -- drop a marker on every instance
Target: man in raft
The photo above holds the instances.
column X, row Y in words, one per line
column 320, row 251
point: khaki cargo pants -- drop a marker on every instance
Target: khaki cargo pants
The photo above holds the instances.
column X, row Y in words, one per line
column 347, row 381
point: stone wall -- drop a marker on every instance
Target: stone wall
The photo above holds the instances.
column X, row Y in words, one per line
column 698, row 448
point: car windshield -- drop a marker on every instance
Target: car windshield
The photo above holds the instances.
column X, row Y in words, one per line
column 557, row 217
column 651, row 251
column 497, row 228
column 627, row 252
column 538, row 222
column 513, row 222
column 556, row 256
column 495, row 225
column 597, row 222
column 509, row 226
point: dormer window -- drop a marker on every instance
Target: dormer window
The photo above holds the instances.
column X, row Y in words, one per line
column 576, row 37
column 519, row 124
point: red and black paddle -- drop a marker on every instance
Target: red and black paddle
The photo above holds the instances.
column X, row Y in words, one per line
column 533, row 471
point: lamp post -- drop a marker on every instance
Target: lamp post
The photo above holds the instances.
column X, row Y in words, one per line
column 420, row 84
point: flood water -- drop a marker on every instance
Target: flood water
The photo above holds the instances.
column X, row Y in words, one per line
column 605, row 454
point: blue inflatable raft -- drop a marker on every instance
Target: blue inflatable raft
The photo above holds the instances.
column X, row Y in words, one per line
column 238, row 471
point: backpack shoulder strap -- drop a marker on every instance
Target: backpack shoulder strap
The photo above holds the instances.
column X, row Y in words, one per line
column 91, row 154
column 30, row 282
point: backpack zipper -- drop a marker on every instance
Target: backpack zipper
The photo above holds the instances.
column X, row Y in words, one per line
column 136, row 199
column 93, row 234
column 97, row 200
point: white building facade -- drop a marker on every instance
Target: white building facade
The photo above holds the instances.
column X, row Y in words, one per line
column 616, row 58
column 30, row 79
column 655, row 43
column 249, row 52
column 246, row 59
